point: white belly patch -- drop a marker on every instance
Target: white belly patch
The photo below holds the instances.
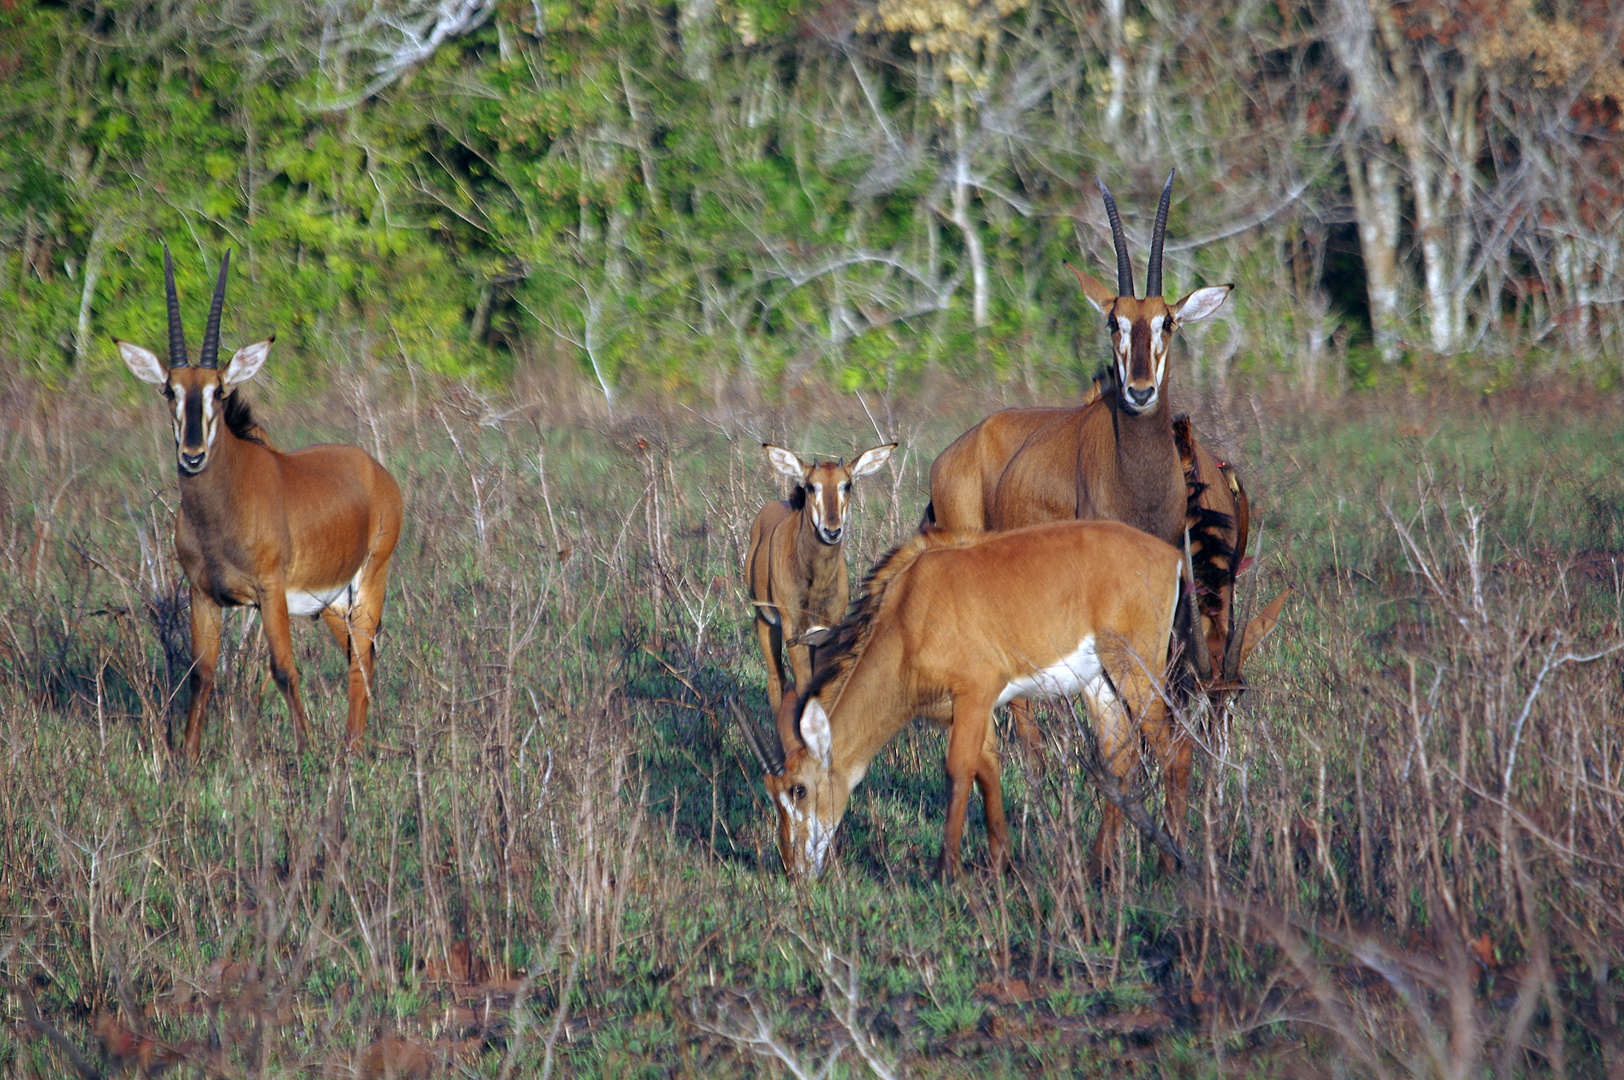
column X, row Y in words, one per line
column 1080, row 671
column 339, row 598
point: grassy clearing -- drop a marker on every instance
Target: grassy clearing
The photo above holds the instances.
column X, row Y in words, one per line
column 553, row 857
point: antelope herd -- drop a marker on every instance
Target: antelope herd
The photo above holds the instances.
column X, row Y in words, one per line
column 1016, row 586
column 1087, row 551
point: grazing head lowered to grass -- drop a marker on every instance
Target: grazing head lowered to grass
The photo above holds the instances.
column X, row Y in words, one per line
column 303, row 533
column 947, row 629
column 794, row 568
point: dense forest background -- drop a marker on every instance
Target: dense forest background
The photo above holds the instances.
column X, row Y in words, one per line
column 721, row 196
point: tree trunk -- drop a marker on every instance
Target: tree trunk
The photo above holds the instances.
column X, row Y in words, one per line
column 1374, row 184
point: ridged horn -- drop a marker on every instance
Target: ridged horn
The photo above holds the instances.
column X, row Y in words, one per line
column 208, row 354
column 1124, row 266
column 758, row 742
column 177, row 336
column 1153, row 275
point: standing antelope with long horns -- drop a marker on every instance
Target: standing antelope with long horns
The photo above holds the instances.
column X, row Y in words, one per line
column 794, row 567
column 1121, row 455
column 950, row 627
column 302, row 533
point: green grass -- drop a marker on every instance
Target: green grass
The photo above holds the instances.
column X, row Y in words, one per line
column 552, row 780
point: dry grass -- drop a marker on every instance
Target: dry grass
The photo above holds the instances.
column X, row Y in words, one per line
column 553, row 858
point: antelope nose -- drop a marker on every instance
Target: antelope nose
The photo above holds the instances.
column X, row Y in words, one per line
column 832, row 534
column 191, row 462
column 1138, row 398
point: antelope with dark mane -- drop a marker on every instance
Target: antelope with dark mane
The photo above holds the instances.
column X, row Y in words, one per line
column 950, row 627
column 794, row 568
column 303, row 533
column 1121, row 455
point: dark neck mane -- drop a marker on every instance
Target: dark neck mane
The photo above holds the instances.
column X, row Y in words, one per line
column 1211, row 552
column 836, row 659
column 240, row 420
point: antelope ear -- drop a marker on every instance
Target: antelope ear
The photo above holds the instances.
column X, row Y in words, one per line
column 1201, row 303
column 815, row 733
column 143, row 363
column 870, row 460
column 786, row 462
column 1095, row 290
column 246, row 362
column 1261, row 626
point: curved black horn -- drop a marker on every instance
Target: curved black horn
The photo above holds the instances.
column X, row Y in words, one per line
column 1124, row 267
column 1153, row 275
column 177, row 336
column 757, row 741
column 209, row 353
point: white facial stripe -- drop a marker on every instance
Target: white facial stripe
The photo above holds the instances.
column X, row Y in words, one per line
column 1080, row 671
column 209, row 415
column 817, row 845
column 1124, row 325
column 814, row 504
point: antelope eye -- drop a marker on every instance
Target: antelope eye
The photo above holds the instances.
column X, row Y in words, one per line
column 798, row 792
column 846, row 487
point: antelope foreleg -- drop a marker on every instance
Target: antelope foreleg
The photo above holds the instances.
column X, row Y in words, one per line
column 771, row 638
column 273, row 614
column 206, row 620
column 800, row 662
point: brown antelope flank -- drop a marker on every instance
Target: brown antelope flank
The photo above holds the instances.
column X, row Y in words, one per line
column 303, row 533
column 794, row 568
column 1121, row 455
column 950, row 627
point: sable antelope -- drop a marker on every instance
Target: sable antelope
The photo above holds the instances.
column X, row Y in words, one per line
column 947, row 629
column 1121, row 455
column 794, row 568
column 302, row 533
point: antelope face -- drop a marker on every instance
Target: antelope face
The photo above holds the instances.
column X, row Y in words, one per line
column 828, row 485
column 802, row 798
column 808, row 798
column 1140, row 331
column 196, row 396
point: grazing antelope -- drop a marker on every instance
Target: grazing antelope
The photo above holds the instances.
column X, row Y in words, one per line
column 794, row 567
column 950, row 627
column 302, row 533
